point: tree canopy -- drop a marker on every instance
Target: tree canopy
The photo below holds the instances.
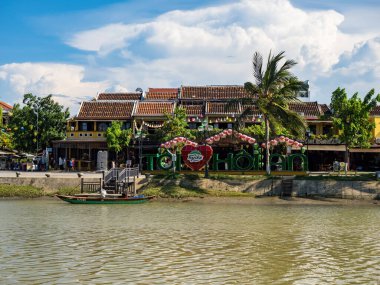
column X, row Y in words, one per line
column 351, row 118
column 117, row 137
column 272, row 91
column 176, row 125
column 28, row 131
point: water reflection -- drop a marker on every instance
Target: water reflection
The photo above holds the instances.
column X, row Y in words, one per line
column 50, row 242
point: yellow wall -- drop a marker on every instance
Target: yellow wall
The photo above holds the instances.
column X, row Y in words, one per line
column 84, row 135
column 376, row 131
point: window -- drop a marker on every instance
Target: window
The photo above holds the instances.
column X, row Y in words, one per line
column 84, row 126
column 102, row 127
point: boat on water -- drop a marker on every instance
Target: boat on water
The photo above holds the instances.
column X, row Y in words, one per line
column 109, row 199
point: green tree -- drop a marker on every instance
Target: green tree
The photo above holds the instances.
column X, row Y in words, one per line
column 274, row 88
column 351, row 118
column 117, row 137
column 39, row 121
column 6, row 141
column 175, row 125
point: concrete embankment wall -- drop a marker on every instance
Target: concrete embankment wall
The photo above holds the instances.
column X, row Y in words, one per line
column 340, row 189
column 323, row 188
column 48, row 184
column 53, row 184
column 269, row 187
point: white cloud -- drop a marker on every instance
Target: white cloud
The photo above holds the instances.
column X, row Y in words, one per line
column 232, row 29
column 64, row 81
column 105, row 39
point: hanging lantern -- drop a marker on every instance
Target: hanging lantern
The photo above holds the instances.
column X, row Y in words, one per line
column 222, row 135
column 263, row 145
column 251, row 141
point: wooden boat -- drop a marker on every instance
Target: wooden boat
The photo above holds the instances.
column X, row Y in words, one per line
column 98, row 199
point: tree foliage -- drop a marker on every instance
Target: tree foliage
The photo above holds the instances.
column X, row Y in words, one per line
column 351, row 118
column 176, row 125
column 6, row 141
column 118, row 138
column 51, row 122
column 274, row 88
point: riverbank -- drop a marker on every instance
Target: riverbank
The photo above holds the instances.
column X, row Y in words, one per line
column 195, row 186
column 267, row 201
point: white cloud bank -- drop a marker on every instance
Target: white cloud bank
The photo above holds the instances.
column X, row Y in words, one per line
column 65, row 82
column 211, row 45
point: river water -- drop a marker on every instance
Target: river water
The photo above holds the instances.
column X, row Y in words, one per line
column 51, row 242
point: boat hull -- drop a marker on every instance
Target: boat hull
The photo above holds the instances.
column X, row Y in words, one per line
column 100, row 200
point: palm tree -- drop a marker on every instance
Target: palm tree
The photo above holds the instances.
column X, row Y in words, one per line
column 273, row 90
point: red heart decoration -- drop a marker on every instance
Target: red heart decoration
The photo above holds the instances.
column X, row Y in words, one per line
column 195, row 157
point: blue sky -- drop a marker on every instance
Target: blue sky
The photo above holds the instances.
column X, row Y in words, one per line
column 75, row 49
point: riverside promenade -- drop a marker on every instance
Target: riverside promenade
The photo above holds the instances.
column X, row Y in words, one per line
column 52, row 174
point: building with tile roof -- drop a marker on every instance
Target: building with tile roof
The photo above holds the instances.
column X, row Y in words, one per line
column 119, row 96
column 162, row 94
column 86, row 131
column 6, row 110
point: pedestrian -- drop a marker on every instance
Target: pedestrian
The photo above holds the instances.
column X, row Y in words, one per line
column 60, row 163
column 72, row 164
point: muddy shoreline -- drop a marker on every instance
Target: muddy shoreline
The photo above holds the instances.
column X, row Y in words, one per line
column 273, row 201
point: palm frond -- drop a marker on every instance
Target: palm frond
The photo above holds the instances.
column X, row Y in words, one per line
column 257, row 63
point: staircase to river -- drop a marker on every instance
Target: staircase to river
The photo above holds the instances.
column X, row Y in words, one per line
column 287, row 187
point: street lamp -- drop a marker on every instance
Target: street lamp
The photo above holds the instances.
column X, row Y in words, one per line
column 36, row 108
column 140, row 136
column 307, row 144
column 204, row 128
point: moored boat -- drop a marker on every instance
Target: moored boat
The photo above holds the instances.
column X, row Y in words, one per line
column 98, row 199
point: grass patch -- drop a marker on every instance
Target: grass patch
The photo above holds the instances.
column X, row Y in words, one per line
column 20, row 191
column 184, row 187
column 68, row 191
column 238, row 177
column 173, row 191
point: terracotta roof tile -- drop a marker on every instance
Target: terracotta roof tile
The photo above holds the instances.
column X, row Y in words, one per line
column 309, row 110
column 119, row 96
column 254, row 108
column 5, row 106
column 325, row 109
column 106, row 110
column 162, row 94
column 375, row 111
column 222, row 108
column 150, row 108
column 193, row 109
column 213, row 92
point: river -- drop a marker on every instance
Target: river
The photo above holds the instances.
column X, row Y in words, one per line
column 51, row 242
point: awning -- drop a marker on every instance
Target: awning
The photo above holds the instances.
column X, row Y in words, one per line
column 365, row 150
column 341, row 148
column 326, row 147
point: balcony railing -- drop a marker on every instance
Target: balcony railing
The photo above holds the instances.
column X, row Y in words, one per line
column 85, row 135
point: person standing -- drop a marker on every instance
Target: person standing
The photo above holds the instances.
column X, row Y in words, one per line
column 60, row 163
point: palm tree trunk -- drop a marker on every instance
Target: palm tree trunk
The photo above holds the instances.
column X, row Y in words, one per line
column 267, row 165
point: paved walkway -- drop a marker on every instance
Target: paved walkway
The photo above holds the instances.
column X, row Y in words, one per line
column 53, row 173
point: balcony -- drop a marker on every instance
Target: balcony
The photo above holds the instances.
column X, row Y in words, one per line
column 85, row 135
